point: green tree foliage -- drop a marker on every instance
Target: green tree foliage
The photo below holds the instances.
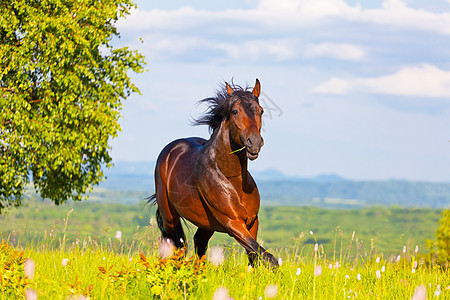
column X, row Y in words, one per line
column 443, row 238
column 62, row 84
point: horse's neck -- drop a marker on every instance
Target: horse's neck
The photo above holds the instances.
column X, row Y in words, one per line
column 230, row 164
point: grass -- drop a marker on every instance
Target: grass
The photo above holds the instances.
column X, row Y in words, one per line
column 110, row 268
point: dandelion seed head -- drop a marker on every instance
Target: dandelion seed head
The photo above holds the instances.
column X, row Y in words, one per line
column 119, row 235
column 222, row 294
column 65, row 261
column 420, row 293
column 29, row 267
column 271, row 291
column 318, row 270
column 30, row 294
column 216, row 256
column 166, row 248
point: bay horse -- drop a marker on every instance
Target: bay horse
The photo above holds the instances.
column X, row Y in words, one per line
column 207, row 181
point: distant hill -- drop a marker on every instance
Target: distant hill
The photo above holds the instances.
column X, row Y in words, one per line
column 327, row 190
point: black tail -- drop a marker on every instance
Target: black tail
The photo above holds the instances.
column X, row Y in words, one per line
column 177, row 236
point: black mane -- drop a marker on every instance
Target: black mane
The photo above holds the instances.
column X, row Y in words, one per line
column 219, row 107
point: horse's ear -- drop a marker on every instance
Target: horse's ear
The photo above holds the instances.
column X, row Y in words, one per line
column 257, row 89
column 229, row 89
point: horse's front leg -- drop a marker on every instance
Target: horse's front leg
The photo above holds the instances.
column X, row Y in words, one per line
column 239, row 231
column 252, row 256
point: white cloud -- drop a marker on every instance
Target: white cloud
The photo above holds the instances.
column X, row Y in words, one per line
column 422, row 81
column 340, row 51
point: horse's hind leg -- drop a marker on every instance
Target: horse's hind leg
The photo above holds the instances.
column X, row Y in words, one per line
column 201, row 239
column 171, row 231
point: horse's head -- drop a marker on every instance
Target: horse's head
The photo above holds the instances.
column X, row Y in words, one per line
column 246, row 120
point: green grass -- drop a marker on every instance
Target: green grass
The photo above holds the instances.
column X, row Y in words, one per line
column 101, row 266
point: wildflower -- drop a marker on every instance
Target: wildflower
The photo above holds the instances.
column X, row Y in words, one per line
column 311, row 233
column 181, row 240
column 298, row 272
column 404, row 249
column 65, row 261
column 415, row 264
column 413, row 271
column 318, row 271
column 437, row 293
column 271, row 291
column 378, row 273
column 30, row 294
column 316, row 247
column 337, row 265
column 417, row 249
column 221, row 294
column 166, row 248
column 250, row 269
column 216, row 256
column 330, row 266
column 353, row 235
column 29, row 267
column 397, row 259
column 358, row 276
column 383, row 268
column 347, row 276
column 420, row 293
column 378, row 260
column 280, row 261
column 119, row 235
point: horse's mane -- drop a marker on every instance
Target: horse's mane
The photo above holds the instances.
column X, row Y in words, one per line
column 219, row 107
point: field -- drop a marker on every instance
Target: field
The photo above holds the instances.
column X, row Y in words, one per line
column 111, row 251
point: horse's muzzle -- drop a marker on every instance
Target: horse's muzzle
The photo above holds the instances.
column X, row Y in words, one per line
column 253, row 145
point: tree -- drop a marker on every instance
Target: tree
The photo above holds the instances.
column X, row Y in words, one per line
column 443, row 239
column 62, row 84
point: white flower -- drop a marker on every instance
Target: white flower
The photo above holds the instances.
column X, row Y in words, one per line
column 404, row 249
column 347, row 276
column 330, row 266
column 316, row 247
column 271, row 291
column 397, row 259
column 298, row 271
column 118, row 234
column 280, row 261
column 216, row 256
column 415, row 264
column 310, row 232
column 358, row 276
column 221, row 294
column 383, row 268
column 437, row 293
column 420, row 293
column 337, row 265
column 166, row 248
column 29, row 267
column 417, row 249
column 413, row 271
column 318, row 271
column 378, row 273
column 378, row 260
column 30, row 294
column 65, row 261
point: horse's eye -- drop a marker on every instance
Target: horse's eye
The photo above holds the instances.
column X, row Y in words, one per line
column 234, row 111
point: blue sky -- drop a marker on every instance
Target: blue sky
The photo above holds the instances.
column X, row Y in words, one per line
column 357, row 88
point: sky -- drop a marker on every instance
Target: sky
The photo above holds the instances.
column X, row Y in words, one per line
column 355, row 88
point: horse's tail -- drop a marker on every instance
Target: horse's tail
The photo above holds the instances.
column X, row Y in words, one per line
column 177, row 236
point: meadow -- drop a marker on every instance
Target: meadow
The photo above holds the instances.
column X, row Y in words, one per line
column 89, row 249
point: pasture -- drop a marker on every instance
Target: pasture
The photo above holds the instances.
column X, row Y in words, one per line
column 101, row 251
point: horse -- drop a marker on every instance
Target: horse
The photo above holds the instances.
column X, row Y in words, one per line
column 207, row 182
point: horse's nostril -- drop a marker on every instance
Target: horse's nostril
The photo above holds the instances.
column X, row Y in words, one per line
column 249, row 142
